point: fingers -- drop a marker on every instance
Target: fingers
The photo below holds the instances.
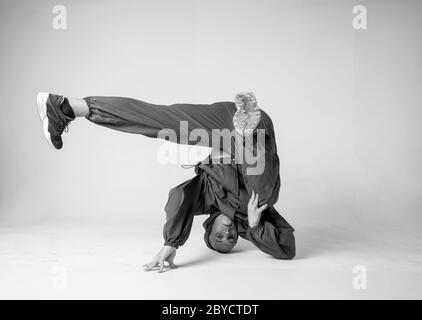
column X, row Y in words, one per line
column 262, row 208
column 161, row 266
column 255, row 203
column 158, row 265
column 252, row 199
column 150, row 266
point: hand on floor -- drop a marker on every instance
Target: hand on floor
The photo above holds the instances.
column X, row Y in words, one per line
column 167, row 253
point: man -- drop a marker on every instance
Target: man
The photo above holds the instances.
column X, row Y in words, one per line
column 238, row 195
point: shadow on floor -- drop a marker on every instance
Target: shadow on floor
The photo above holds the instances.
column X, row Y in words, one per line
column 198, row 260
column 310, row 242
column 317, row 241
column 208, row 255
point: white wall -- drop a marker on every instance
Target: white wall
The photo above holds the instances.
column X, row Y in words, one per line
column 345, row 103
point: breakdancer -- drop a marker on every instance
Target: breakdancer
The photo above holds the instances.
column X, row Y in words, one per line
column 237, row 185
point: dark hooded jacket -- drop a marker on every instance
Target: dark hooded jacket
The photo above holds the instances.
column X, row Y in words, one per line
column 226, row 188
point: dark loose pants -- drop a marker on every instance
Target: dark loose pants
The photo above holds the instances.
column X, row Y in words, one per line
column 135, row 116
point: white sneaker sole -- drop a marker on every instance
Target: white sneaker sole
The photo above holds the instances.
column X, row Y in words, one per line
column 42, row 99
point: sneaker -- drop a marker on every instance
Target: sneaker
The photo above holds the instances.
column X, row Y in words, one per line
column 248, row 114
column 54, row 121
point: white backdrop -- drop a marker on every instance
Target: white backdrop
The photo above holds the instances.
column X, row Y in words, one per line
column 345, row 104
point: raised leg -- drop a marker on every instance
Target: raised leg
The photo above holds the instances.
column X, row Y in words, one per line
column 139, row 117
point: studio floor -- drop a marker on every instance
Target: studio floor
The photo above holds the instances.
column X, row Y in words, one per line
column 83, row 259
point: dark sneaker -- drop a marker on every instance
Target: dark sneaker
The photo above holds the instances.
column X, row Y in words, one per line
column 54, row 121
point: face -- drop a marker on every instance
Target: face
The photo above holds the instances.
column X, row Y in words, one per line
column 223, row 236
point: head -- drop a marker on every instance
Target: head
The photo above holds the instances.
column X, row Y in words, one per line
column 220, row 233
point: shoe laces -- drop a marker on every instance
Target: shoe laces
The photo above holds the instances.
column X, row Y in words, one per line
column 63, row 126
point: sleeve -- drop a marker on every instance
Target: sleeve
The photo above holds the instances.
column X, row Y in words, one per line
column 183, row 203
column 264, row 176
column 273, row 235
